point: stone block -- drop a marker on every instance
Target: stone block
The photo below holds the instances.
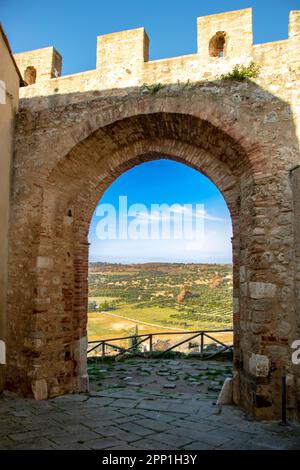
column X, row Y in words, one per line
column 259, row 365
column 226, row 393
column 40, row 389
column 43, row 262
column 262, row 290
column 236, row 305
column 243, row 277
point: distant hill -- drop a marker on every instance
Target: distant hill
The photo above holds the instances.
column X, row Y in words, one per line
column 154, row 266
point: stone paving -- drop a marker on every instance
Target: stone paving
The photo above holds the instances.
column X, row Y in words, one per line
column 129, row 407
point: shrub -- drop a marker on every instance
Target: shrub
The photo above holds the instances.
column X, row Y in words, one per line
column 242, row 72
column 105, row 307
column 153, row 88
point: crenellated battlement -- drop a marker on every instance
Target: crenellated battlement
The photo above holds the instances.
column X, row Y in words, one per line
column 122, row 59
column 39, row 64
column 225, row 35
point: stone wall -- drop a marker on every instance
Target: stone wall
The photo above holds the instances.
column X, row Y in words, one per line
column 295, row 181
column 77, row 134
column 44, row 63
column 9, row 99
column 123, row 61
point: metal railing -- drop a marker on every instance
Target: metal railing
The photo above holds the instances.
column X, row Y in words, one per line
column 103, row 344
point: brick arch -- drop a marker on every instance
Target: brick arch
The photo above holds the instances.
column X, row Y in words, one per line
column 155, row 149
column 83, row 198
column 78, row 181
column 74, row 124
column 87, row 149
column 102, row 171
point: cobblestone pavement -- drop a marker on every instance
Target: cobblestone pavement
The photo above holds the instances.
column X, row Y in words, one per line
column 140, row 415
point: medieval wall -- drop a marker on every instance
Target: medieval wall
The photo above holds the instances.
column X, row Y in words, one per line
column 39, row 64
column 9, row 98
column 122, row 60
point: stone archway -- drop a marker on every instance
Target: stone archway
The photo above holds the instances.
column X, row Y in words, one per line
column 65, row 160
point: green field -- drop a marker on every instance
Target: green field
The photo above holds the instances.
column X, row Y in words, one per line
column 147, row 293
column 114, row 327
column 101, row 299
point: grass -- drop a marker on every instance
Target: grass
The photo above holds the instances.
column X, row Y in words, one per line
column 146, row 295
column 153, row 88
column 101, row 299
column 164, row 316
column 102, row 325
column 110, row 326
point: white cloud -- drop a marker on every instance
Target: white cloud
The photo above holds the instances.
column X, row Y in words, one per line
column 148, row 216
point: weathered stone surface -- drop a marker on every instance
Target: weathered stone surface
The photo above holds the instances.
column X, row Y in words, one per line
column 259, row 365
column 79, row 353
column 40, row 389
column 226, row 393
column 44, row 262
column 170, row 385
column 135, row 384
column 262, row 290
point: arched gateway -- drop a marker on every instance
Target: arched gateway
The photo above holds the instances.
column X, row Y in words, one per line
column 70, row 146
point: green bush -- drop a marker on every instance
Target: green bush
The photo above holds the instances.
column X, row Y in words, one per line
column 242, row 72
column 153, row 88
column 105, row 306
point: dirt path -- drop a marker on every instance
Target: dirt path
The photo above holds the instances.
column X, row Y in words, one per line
column 143, row 322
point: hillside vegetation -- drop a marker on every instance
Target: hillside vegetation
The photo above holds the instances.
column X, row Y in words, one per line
column 166, row 296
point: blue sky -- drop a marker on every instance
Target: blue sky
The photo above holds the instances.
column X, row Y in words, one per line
column 72, row 27
column 168, row 182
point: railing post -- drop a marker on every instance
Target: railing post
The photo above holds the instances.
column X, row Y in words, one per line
column 103, row 348
column 150, row 342
column 283, row 400
column 202, row 344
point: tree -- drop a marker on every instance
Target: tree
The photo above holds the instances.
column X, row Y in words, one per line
column 105, row 306
column 135, row 340
column 92, row 306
